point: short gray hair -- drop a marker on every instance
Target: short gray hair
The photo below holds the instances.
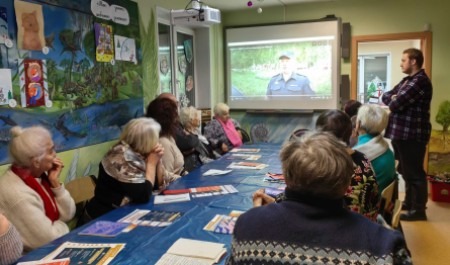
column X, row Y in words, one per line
column 141, row 134
column 28, row 143
column 317, row 164
column 221, row 108
column 372, row 118
column 187, row 114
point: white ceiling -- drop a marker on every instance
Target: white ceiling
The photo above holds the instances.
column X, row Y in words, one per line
column 227, row 5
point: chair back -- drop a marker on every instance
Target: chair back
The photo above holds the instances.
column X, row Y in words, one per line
column 386, row 196
column 395, row 222
column 297, row 134
column 82, row 190
column 245, row 136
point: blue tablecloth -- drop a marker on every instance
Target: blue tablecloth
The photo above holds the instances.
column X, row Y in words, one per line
column 145, row 245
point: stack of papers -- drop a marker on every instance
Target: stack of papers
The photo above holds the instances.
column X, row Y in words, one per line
column 160, row 199
column 245, row 150
column 188, row 251
column 244, row 156
column 104, row 228
column 274, row 177
column 247, row 165
column 215, row 172
column 202, row 191
column 223, row 224
column 150, row 218
column 46, row 262
column 86, row 253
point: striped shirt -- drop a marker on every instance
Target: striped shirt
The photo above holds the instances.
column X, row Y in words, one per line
column 410, row 109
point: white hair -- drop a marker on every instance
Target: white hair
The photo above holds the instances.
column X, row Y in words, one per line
column 372, row 118
column 221, row 108
column 187, row 114
column 141, row 134
column 28, row 143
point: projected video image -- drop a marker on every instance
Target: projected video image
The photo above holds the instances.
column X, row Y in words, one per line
column 281, row 68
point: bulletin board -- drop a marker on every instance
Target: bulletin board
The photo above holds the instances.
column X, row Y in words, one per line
column 73, row 67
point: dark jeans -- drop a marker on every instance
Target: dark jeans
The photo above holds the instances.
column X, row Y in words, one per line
column 410, row 155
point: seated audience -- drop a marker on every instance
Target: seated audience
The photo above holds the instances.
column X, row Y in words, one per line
column 11, row 245
column 222, row 131
column 362, row 196
column 130, row 171
column 201, row 152
column 370, row 123
column 164, row 111
column 311, row 226
column 31, row 195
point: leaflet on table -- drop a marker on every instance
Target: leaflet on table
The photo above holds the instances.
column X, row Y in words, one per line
column 247, row 165
column 215, row 172
column 203, row 191
column 223, row 224
column 183, row 197
column 196, row 252
column 244, row 156
column 245, row 150
column 274, row 177
column 212, row 190
column 150, row 218
column 106, row 229
column 86, row 253
column 65, row 261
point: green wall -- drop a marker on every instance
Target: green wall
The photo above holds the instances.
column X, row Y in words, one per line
column 370, row 17
column 366, row 17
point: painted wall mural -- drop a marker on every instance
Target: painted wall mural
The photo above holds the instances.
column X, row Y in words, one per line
column 81, row 81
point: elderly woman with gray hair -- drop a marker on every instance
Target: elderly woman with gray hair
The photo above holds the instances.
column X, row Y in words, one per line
column 223, row 132
column 31, row 195
column 201, row 153
column 312, row 224
column 131, row 169
column 370, row 123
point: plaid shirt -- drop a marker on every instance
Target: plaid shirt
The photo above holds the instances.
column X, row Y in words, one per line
column 410, row 109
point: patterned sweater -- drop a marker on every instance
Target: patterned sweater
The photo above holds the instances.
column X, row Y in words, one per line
column 306, row 230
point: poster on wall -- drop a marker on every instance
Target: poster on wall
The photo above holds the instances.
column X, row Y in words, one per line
column 32, row 81
column 125, row 49
column 3, row 25
column 79, row 100
column 30, row 26
column 103, row 42
column 5, row 86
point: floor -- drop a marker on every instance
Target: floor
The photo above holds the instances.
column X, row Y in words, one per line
column 429, row 241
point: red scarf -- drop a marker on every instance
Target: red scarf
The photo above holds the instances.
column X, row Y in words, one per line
column 51, row 209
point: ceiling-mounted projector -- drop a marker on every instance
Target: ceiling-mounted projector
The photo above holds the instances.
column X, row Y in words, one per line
column 203, row 16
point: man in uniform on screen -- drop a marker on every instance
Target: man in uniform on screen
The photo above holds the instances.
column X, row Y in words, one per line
column 288, row 82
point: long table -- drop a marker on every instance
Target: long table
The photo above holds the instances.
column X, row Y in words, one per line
column 145, row 245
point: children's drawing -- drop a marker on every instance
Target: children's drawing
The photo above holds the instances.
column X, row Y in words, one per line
column 30, row 25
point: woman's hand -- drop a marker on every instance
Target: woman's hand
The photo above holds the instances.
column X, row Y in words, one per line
column 224, row 147
column 260, row 198
column 155, row 155
column 54, row 172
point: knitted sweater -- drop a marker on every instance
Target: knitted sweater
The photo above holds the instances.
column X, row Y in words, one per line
column 307, row 230
column 10, row 246
column 25, row 209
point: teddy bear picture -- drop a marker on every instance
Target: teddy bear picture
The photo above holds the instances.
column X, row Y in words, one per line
column 30, row 26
